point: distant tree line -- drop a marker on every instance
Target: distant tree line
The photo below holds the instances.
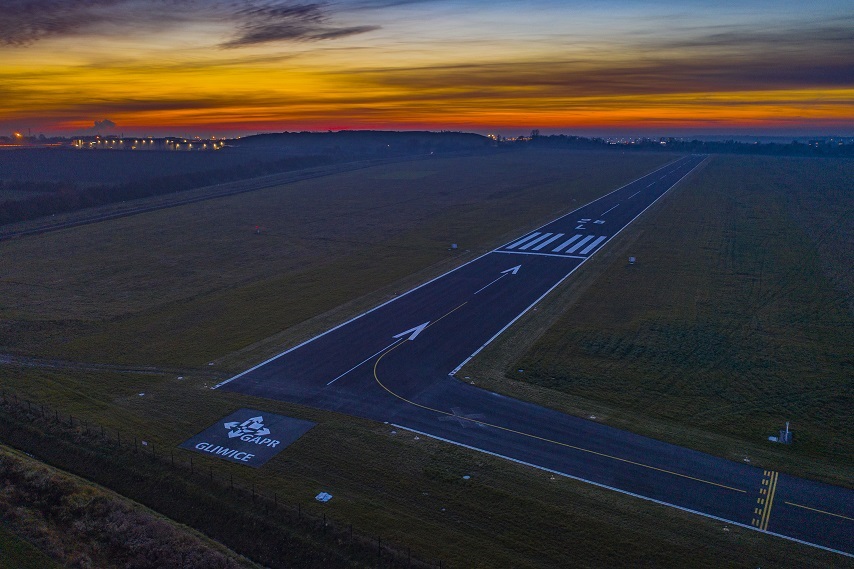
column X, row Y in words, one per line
column 794, row 148
column 60, row 197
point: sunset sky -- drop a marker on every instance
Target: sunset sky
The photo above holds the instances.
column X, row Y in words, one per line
column 225, row 67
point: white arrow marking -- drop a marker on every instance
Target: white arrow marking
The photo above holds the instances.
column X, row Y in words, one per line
column 415, row 331
column 504, row 273
column 399, row 338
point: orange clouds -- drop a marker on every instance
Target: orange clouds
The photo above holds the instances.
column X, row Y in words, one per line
column 265, row 65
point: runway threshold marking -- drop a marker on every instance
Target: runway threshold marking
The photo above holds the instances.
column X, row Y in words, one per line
column 819, row 511
column 529, row 435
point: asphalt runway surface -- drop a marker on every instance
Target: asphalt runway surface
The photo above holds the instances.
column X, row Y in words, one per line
column 396, row 364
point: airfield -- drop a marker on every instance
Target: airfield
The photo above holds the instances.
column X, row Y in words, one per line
column 350, row 311
column 397, row 364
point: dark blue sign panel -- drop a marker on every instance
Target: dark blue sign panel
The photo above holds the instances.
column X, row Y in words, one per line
column 248, row 436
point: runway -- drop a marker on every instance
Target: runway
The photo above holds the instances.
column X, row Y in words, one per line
column 396, row 363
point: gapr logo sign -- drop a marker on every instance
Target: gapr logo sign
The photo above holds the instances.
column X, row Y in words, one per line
column 251, row 431
column 248, row 437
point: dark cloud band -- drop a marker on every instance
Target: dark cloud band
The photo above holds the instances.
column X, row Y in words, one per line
column 24, row 22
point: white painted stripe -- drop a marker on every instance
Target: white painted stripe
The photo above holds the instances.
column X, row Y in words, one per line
column 522, row 240
column 592, row 245
column 610, row 210
column 365, row 360
column 535, row 241
column 546, row 242
column 490, row 284
column 289, row 350
column 634, row 194
column 566, row 243
column 620, row 490
column 580, row 244
column 540, row 254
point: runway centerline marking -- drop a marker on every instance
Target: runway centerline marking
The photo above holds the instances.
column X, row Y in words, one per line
column 819, row 511
column 610, row 210
column 434, row 322
column 489, row 285
column 364, row 361
column 529, row 435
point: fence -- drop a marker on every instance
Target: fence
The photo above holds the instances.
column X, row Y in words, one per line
column 33, row 427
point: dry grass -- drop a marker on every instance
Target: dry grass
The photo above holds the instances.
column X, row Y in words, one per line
column 191, row 284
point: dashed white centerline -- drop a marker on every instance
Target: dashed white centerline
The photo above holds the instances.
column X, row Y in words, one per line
column 610, row 210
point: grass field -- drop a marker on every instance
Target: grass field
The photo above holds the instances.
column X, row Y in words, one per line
column 188, row 285
column 195, row 284
column 736, row 318
column 16, row 553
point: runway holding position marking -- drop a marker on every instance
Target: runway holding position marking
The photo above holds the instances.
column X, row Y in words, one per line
column 396, row 363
